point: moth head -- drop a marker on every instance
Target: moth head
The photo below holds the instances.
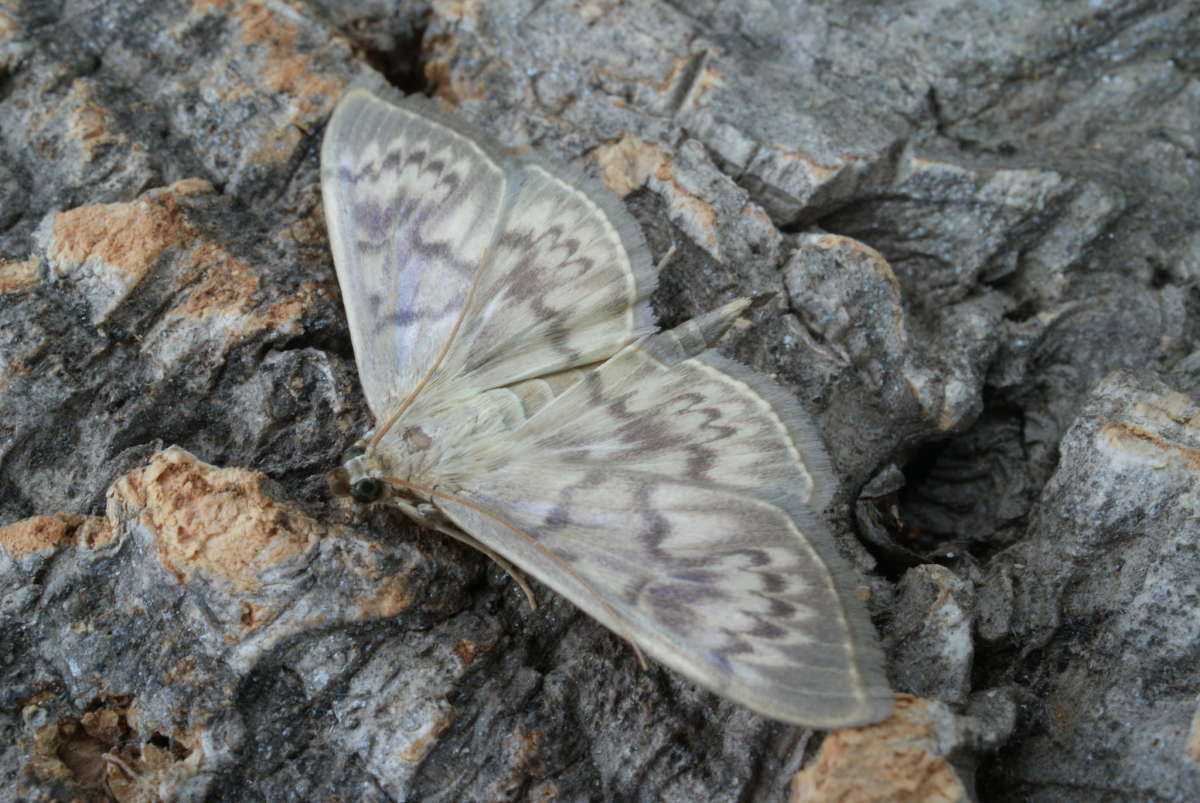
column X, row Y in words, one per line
column 371, row 473
column 354, row 477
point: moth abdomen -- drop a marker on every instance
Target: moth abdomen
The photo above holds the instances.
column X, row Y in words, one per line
column 698, row 334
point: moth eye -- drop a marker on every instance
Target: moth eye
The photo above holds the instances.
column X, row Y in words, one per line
column 368, row 489
column 354, row 451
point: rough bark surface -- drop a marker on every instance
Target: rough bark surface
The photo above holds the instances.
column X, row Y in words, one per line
column 977, row 227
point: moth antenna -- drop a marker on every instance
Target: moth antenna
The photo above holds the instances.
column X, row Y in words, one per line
column 404, row 405
column 637, row 651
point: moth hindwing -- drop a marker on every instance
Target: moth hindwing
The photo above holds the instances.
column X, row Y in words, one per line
column 524, row 402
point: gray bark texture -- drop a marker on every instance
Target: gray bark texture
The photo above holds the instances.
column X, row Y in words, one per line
column 974, row 230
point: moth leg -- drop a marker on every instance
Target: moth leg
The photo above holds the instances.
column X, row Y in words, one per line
column 429, row 516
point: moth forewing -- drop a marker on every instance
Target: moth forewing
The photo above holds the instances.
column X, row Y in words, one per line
column 411, row 205
column 498, row 311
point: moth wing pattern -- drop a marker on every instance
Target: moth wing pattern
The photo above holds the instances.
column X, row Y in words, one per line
column 667, row 484
column 668, row 492
column 567, row 282
column 426, row 217
column 412, row 203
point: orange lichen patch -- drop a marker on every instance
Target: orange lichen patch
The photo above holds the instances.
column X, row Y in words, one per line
column 75, row 120
column 226, row 284
column 16, row 276
column 688, row 211
column 71, row 749
column 186, row 672
column 47, row 532
column 420, row 745
column 439, row 75
column 286, row 66
column 99, row 754
column 630, row 162
column 116, row 245
column 1149, row 446
column 88, row 121
column 139, row 772
column 37, row 533
column 110, row 248
column 391, row 597
column 895, row 760
column 130, row 237
column 211, row 520
column 284, row 314
column 227, row 288
column 443, row 51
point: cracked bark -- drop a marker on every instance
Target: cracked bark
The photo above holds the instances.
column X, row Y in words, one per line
column 978, row 227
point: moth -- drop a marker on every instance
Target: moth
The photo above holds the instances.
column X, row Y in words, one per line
column 525, row 403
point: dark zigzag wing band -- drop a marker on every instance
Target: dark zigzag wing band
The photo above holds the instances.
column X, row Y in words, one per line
column 412, row 206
